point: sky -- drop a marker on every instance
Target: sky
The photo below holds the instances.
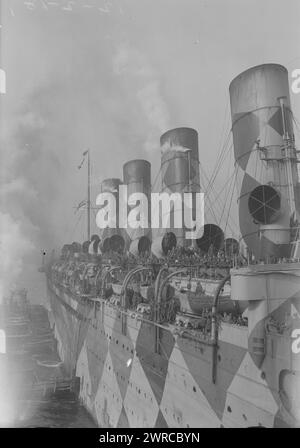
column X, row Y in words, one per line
column 112, row 76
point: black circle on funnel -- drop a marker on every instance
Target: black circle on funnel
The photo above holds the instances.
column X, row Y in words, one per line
column 264, row 203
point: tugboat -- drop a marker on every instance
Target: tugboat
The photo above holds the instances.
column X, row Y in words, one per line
column 30, row 369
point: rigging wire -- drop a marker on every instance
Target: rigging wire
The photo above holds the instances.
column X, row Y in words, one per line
column 224, row 151
column 225, row 187
column 221, row 148
column 231, row 186
column 76, row 224
column 156, row 179
column 211, row 206
column 236, row 172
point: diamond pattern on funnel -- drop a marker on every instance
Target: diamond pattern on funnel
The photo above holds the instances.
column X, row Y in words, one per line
column 269, row 137
column 155, row 366
column 246, row 131
column 266, row 137
column 253, row 165
column 276, row 122
column 177, row 166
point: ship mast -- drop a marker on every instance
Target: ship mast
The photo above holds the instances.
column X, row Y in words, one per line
column 190, row 190
column 289, row 157
column 88, row 208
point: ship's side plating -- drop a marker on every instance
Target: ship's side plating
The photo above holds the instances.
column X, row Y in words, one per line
column 187, row 382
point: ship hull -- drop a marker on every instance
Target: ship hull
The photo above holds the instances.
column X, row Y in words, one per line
column 126, row 380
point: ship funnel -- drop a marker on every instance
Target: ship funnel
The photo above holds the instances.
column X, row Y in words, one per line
column 212, row 239
column 112, row 238
column 180, row 172
column 265, row 157
column 137, row 178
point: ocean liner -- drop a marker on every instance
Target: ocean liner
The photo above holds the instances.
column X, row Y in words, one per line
column 165, row 332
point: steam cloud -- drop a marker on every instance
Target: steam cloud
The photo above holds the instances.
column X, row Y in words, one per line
column 142, row 79
column 105, row 96
column 13, row 249
column 26, row 193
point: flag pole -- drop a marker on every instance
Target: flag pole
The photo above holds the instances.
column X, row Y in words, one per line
column 89, row 198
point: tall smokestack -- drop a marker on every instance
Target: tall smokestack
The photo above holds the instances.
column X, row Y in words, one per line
column 180, row 170
column 137, row 177
column 266, row 159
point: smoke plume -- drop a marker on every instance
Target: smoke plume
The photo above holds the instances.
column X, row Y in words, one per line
column 82, row 92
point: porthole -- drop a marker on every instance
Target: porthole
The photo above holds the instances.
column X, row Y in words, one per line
column 229, row 409
column 194, row 389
